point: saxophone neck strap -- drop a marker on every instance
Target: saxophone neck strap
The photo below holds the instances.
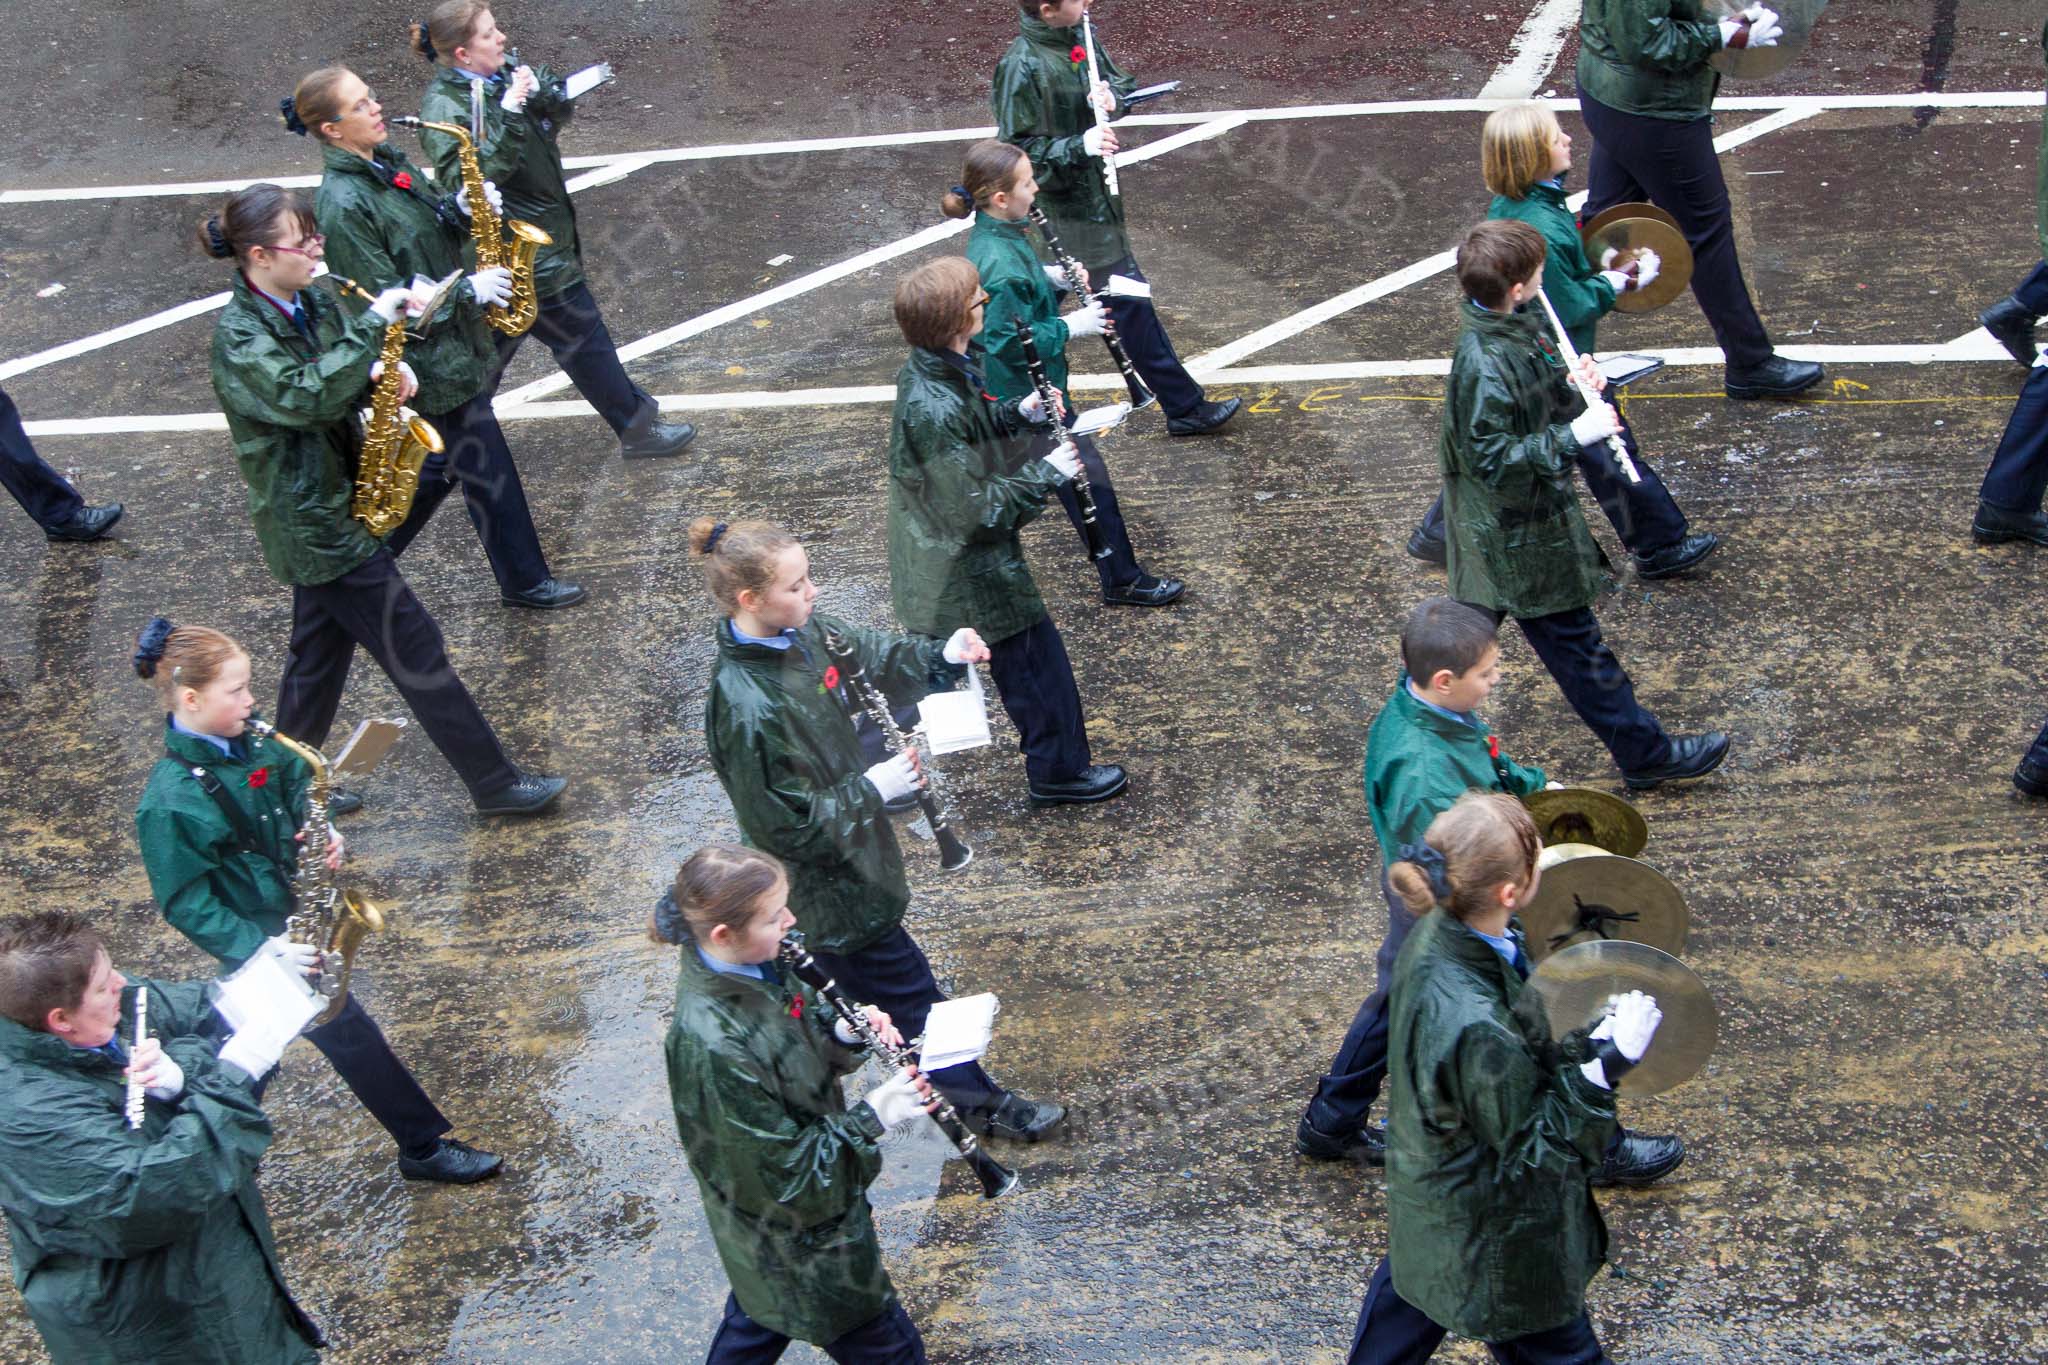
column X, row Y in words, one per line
column 238, row 819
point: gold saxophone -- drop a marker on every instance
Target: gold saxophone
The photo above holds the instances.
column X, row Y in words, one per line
column 515, row 317
column 396, row 443
column 325, row 915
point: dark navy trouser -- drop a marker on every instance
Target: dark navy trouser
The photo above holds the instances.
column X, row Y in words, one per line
column 888, row 1338
column 1120, row 565
column 570, row 325
column 1146, row 343
column 355, row 1046
column 1391, row 1331
column 2019, row 471
column 1344, row 1097
column 2032, row 292
column 41, row 490
column 894, row 976
column 1644, row 514
column 1596, row 685
column 2037, row 753
column 1036, row 682
column 479, row 462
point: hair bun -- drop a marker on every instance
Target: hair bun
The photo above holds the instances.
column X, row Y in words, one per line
column 422, row 42
column 668, row 919
column 149, row 646
column 288, row 110
column 217, row 244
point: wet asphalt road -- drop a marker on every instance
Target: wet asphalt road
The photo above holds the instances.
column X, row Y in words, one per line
column 1866, row 1175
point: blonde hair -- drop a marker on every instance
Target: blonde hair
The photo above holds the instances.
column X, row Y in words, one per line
column 1488, row 840
column 933, row 302
column 317, row 101
column 991, row 167
column 1514, row 148
column 738, row 557
column 451, row 25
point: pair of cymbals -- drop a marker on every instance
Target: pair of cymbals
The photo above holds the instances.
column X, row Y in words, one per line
column 1628, row 230
column 1587, row 815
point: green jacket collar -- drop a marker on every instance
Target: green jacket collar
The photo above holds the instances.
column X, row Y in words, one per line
column 984, row 221
column 1063, row 40
column 340, row 161
column 190, row 749
column 1465, row 947
column 36, row 1048
column 273, row 319
column 936, row 365
column 699, row 979
column 1545, row 192
column 747, row 652
column 1519, row 324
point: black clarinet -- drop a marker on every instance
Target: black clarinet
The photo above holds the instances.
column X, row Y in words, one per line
column 1075, row 272
column 1084, row 492
column 953, row 853
column 996, row 1179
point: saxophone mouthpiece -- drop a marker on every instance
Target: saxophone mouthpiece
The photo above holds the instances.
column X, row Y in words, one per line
column 403, row 120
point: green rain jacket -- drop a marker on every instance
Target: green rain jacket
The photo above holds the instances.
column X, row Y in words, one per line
column 226, row 898
column 1418, row 763
column 291, row 409
column 962, row 483
column 784, row 747
column 519, row 155
column 144, row 1245
column 1571, row 279
column 1041, row 104
column 1649, row 57
column 782, row 1163
column 380, row 235
column 1492, row 1132
column 1018, row 291
column 1518, row 543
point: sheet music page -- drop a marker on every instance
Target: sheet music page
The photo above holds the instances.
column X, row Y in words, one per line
column 263, row 998
column 586, row 80
column 958, row 1030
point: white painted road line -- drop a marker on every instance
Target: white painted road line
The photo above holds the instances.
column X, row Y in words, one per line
column 141, row 326
column 1533, row 51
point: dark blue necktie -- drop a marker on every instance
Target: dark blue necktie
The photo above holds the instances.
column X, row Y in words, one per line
column 302, row 322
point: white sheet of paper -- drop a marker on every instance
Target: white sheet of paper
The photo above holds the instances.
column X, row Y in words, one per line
column 1124, row 287
column 586, row 80
column 958, row 1030
column 1104, row 418
column 956, row 720
column 260, row 997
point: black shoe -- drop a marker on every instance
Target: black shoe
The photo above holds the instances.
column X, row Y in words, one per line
column 1639, row 1161
column 2011, row 324
column 1096, row 783
column 1691, row 756
column 343, row 801
column 1995, row 526
column 1430, row 549
column 1367, row 1143
column 655, row 440
column 2031, row 778
column 546, row 595
column 1016, row 1119
column 528, row 794
column 1144, row 591
column 1204, row 419
column 87, row 523
column 1677, row 557
column 1775, row 378
column 452, row 1163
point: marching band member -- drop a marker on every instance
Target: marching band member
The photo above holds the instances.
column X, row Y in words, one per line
column 146, row 1243
column 43, row 493
column 523, row 112
column 1043, row 104
column 218, row 824
column 1512, row 429
column 776, row 726
column 2012, row 318
column 1646, row 92
column 1525, row 157
column 781, row 1160
column 998, row 189
column 385, row 229
column 1491, row 1230
column 962, row 483
column 290, row 367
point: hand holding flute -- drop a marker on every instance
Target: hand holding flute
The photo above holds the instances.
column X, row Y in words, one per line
column 1104, row 139
column 1599, row 419
column 135, row 1058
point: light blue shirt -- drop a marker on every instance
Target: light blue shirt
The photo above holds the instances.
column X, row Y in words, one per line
column 1470, row 718
column 1506, row 947
column 719, row 964
column 776, row 641
column 226, row 747
column 467, row 74
column 290, row 305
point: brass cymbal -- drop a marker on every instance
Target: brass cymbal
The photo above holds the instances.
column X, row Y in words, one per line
column 1674, row 259
column 1640, row 209
column 1584, row 815
column 1588, row 893
column 1577, row 985
column 1762, row 63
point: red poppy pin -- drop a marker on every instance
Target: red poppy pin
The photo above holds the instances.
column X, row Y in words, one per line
column 260, row 777
column 1493, row 746
column 403, row 180
column 796, row 1008
column 831, row 683
column 1079, row 56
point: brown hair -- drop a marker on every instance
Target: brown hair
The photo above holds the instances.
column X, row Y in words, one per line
column 738, row 556
column 316, row 100
column 933, row 301
column 46, row 962
column 1496, row 256
column 451, row 25
column 249, row 218
column 1441, row 633
column 991, row 166
column 1514, row 148
column 170, row 657
column 1488, row 841
column 718, row 884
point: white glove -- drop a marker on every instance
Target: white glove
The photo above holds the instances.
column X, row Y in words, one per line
column 897, row 1100
column 491, row 287
column 1102, row 97
column 1087, row 322
column 491, row 197
column 1598, row 422
column 1648, row 266
column 1059, row 279
column 250, row 1055
column 1764, row 28
column 1066, row 459
column 961, row 643
column 1632, row 1024
column 296, row 958
column 166, row 1077
column 518, row 90
column 843, row 1031
column 1617, row 281
column 1096, row 139
column 894, row 778
column 391, row 303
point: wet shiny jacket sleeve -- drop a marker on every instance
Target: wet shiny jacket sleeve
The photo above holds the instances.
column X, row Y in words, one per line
column 1530, row 1117
column 1497, row 449
column 1008, row 304
column 256, row 375
column 1023, row 110
column 1649, row 33
column 499, row 149
column 183, row 853
column 907, row 668
column 938, row 465
column 792, row 804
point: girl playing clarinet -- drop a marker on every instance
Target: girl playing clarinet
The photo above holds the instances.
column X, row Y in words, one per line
column 777, row 724
column 998, row 188
column 782, row 1163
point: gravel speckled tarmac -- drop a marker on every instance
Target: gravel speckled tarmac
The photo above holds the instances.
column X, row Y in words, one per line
column 1866, row 1176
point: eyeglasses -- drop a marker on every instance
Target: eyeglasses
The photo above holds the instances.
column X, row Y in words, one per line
column 314, row 248
column 980, row 301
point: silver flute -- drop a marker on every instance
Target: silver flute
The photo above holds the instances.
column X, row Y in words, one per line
column 136, row 1099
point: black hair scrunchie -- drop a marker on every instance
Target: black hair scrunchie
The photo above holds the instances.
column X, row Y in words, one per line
column 288, row 110
column 149, row 646
column 1433, row 867
column 426, row 43
column 711, row 541
column 217, row 244
column 961, row 190
column 668, row 919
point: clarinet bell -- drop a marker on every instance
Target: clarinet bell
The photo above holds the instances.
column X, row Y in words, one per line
column 953, row 854
column 996, row 1179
